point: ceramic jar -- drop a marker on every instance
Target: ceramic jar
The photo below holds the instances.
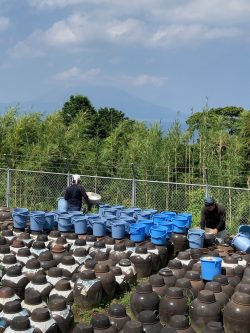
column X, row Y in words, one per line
column 87, row 290
column 168, row 276
column 27, row 240
column 32, row 300
column 40, row 284
column 68, row 266
column 58, row 251
column 7, row 294
column 226, row 287
column 174, row 303
column 180, row 242
column 54, row 275
column 158, row 284
column 107, row 278
column 103, row 258
column 101, row 324
column 4, row 250
column 19, row 324
column 46, row 260
column 83, row 328
column 62, row 314
column 63, row 289
column 9, row 260
column 121, row 280
column 185, row 258
column 177, row 268
column 132, row 326
column 80, row 254
column 11, row 310
column 236, row 314
column 23, row 255
column 216, row 288
column 150, row 322
column 144, row 298
column 196, row 282
column 128, row 269
column 119, row 252
column 15, row 279
column 213, row 327
column 118, row 316
column 186, row 287
column 181, row 324
column 142, row 261
column 164, row 257
column 156, row 259
column 37, row 248
column 42, row 321
column 203, row 309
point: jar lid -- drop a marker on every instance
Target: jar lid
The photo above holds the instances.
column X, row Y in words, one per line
column 179, row 322
column 87, row 275
column 58, row 248
column 120, row 247
column 100, row 321
column 46, row 256
column 75, row 277
column 39, row 278
column 109, row 241
column 83, row 328
column 38, row 245
column 183, row 283
column 150, row 246
column 241, row 298
column 80, row 242
column 32, row 297
column 166, row 272
column 42, row 238
column 133, row 326
column 125, row 262
column 71, row 236
column 101, row 256
column 90, row 238
column 4, row 249
column 90, row 263
column 193, row 275
column 55, row 234
column 7, row 233
column 117, row 310
column 12, row 307
column 61, row 241
column 222, row 279
column 33, row 264
column 20, row 323
column 6, row 292
column 57, row 303
column 24, row 252
column 17, row 243
column 147, row 317
column 14, row 271
column 101, row 268
column 99, row 245
column 63, row 285
column 206, row 296
column 116, row 270
column 183, row 255
column 3, row 240
column 144, row 288
column 156, row 280
column 55, row 272
column 24, row 235
column 80, row 252
column 141, row 250
column 9, row 259
column 40, row 315
column 175, row 264
column 174, row 292
column 214, row 286
column 129, row 243
column 68, row 260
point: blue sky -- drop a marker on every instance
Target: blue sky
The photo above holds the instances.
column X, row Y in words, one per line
column 148, row 58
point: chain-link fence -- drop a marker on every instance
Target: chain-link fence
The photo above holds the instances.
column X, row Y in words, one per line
column 40, row 190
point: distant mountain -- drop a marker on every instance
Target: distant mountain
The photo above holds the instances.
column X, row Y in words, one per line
column 132, row 106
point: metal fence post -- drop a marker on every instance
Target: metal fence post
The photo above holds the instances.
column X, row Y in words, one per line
column 206, row 179
column 133, row 199
column 8, row 179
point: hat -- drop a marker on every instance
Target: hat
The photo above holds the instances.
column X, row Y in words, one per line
column 209, row 201
column 76, row 178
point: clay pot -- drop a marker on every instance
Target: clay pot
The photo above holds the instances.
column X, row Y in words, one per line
column 15, row 280
column 216, row 288
column 197, row 267
column 46, row 260
column 107, row 278
column 37, row 248
column 31, row 268
column 58, row 251
column 164, row 257
column 118, row 316
column 203, row 309
column 158, row 284
column 119, row 252
column 150, row 322
column 109, row 242
column 226, row 287
column 180, row 242
column 177, row 268
column 5, row 214
column 142, row 261
column 7, row 294
column 79, row 244
column 132, row 326
column 4, row 249
column 185, row 258
column 236, row 315
column 243, row 288
column 87, row 290
column 128, row 269
column 196, row 282
column 121, row 280
column 12, row 309
column 40, row 284
column 88, row 264
column 63, row 289
column 174, row 303
column 62, row 314
column 181, row 324
column 68, row 266
column 9, row 260
column 32, row 300
column 54, row 275
column 213, row 327
column 186, row 287
column 168, row 276
column 27, row 240
column 144, row 298
column 9, row 235
column 42, row 321
column 79, row 255
column 71, row 238
column 54, row 234
column 103, row 258
column 19, row 324
column 101, row 323
column 98, row 246
column 156, row 259
column 90, row 239
column 23, row 255
column 16, row 245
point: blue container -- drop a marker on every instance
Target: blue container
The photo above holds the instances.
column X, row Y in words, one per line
column 137, row 232
column 151, row 211
column 210, row 266
column 37, row 220
column 242, row 240
column 159, row 218
column 168, row 225
column 180, row 225
column 118, row 229
column 111, row 211
column 80, row 224
column 62, row 204
column 64, row 222
column 99, row 228
column 159, row 235
column 189, row 216
column 20, row 216
column 169, row 215
column 128, row 212
column 196, row 238
column 148, row 224
column 143, row 215
column 102, row 208
column 49, row 221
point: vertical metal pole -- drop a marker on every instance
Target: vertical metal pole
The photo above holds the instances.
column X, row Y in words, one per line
column 68, row 173
column 133, row 199
column 7, row 182
column 206, row 180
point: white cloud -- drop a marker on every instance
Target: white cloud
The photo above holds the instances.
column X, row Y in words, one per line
column 74, row 73
column 4, row 23
column 147, row 80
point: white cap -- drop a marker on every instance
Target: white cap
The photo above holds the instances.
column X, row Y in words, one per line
column 76, row 178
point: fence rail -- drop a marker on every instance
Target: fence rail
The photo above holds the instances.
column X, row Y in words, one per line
column 40, row 190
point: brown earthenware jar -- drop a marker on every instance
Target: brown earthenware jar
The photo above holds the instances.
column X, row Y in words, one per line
column 15, row 280
column 216, row 288
column 7, row 294
column 185, row 258
column 63, row 289
column 156, row 259
column 62, row 314
column 42, row 321
column 213, row 327
column 180, row 242
column 142, row 261
column 168, row 276
column 128, row 270
column 158, row 285
column 54, row 275
column 103, row 258
column 119, row 252
column 39, row 282
column 150, row 321
column 226, row 287
column 164, row 256
column 186, row 287
column 107, row 278
column 118, row 316
column 68, row 266
column 101, row 324
column 177, row 268
column 181, row 324
column 196, row 282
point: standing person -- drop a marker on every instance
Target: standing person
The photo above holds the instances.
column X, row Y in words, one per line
column 74, row 194
column 213, row 216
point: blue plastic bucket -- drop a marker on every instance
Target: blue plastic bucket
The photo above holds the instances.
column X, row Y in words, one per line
column 168, row 225
column 62, row 204
column 159, row 218
column 20, row 216
column 210, row 266
column 189, row 216
column 102, row 207
column 49, row 221
column 180, row 224
column 148, row 224
column 143, row 215
column 110, row 211
column 151, row 211
column 169, row 215
column 137, row 232
column 37, row 220
column 64, row 222
column 118, row 229
column 128, row 212
column 196, row 238
column 80, row 224
column 159, row 235
column 99, row 228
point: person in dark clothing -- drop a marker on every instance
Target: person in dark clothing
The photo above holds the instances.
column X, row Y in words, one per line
column 75, row 193
column 213, row 216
